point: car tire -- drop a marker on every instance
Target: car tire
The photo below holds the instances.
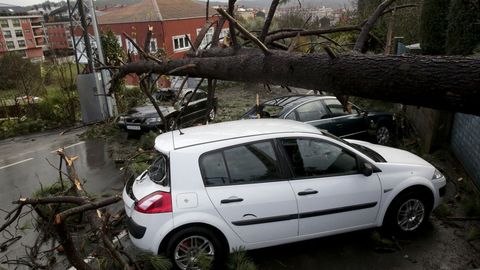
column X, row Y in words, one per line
column 171, row 123
column 183, row 247
column 407, row 214
column 382, row 135
column 211, row 115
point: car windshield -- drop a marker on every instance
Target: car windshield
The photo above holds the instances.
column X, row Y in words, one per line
column 369, row 152
column 365, row 150
column 158, row 172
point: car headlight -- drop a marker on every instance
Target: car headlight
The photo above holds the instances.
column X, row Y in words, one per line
column 153, row 120
column 121, row 119
column 437, row 175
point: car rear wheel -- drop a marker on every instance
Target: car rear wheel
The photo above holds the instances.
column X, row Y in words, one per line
column 407, row 214
column 195, row 248
column 383, row 135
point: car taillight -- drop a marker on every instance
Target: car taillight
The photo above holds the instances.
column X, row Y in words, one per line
column 157, row 202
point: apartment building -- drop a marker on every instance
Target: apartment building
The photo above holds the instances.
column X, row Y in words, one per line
column 21, row 32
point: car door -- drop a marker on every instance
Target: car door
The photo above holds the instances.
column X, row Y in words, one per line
column 246, row 186
column 313, row 113
column 196, row 107
column 332, row 195
column 346, row 124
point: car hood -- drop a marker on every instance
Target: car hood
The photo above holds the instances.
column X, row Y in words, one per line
column 394, row 155
column 149, row 111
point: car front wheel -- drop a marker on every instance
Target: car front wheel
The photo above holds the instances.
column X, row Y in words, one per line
column 407, row 214
column 195, row 248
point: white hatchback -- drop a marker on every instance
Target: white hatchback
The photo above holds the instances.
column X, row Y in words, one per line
column 266, row 182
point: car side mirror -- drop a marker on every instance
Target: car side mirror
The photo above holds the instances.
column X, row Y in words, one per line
column 367, row 169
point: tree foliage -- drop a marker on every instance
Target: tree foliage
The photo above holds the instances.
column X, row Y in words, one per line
column 113, row 51
column 433, row 26
column 463, row 33
column 17, row 72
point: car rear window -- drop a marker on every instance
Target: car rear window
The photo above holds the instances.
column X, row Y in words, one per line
column 158, row 170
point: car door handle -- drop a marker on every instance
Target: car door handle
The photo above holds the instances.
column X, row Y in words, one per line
column 339, row 125
column 231, row 200
column 307, row 192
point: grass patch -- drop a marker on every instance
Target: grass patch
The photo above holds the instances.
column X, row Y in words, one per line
column 147, row 141
column 443, row 211
column 239, row 260
column 473, row 234
column 471, row 205
column 155, row 262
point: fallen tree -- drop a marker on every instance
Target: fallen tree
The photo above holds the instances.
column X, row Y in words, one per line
column 447, row 83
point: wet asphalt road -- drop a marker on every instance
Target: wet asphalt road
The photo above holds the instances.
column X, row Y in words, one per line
column 24, row 168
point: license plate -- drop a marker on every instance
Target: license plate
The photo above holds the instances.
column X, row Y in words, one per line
column 133, row 127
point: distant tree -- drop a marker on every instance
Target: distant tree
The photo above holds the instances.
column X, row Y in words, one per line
column 114, row 53
column 463, row 33
column 433, row 26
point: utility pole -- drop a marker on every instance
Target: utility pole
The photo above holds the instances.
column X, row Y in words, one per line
column 92, row 85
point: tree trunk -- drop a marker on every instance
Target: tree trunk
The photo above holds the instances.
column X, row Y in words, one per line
column 448, row 83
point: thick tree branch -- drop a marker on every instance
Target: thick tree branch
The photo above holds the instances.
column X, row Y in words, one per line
column 282, row 35
column 268, row 20
column 367, row 27
column 449, row 83
column 244, row 31
column 233, row 36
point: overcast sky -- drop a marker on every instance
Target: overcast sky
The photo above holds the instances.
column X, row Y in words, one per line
column 24, row 2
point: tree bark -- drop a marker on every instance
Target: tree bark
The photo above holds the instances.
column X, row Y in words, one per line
column 448, row 83
column 367, row 27
column 268, row 20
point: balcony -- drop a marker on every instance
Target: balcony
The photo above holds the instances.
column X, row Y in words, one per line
column 38, row 33
column 37, row 24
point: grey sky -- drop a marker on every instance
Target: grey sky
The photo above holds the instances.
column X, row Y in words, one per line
column 24, row 2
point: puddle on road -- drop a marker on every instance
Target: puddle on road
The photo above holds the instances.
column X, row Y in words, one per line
column 94, row 166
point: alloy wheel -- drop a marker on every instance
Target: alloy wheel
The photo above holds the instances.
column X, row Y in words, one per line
column 410, row 215
column 383, row 135
column 191, row 250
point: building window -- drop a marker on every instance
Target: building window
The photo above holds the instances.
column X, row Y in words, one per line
column 153, row 45
column 18, row 33
column 16, row 22
column 10, row 45
column 27, row 31
column 29, row 42
column 207, row 40
column 21, row 43
column 7, row 34
column 130, row 48
column 119, row 40
column 3, row 23
column 180, row 43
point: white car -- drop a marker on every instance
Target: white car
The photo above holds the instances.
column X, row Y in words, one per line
column 266, row 182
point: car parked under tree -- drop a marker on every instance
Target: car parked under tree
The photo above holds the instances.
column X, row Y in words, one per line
column 266, row 182
column 326, row 112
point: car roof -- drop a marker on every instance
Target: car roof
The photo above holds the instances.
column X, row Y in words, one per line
column 227, row 131
column 289, row 102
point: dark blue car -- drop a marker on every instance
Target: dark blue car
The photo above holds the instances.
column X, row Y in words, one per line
column 326, row 112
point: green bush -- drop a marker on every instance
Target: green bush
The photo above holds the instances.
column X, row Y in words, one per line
column 433, row 26
column 10, row 128
column 463, row 33
column 128, row 98
column 59, row 107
